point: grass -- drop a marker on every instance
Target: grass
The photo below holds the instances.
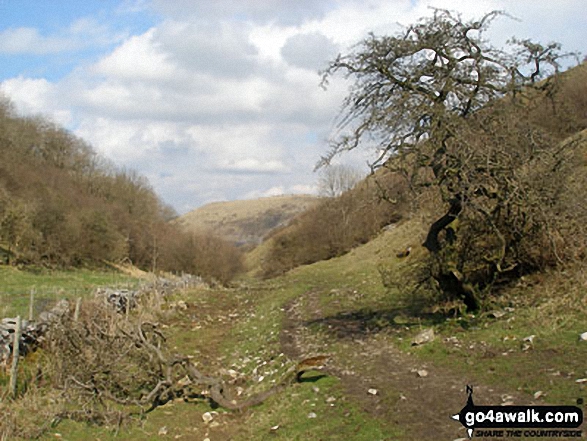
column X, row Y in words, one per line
column 314, row 410
column 52, row 285
column 239, row 329
column 553, row 310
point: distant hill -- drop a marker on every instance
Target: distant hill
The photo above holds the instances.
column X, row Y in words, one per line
column 246, row 222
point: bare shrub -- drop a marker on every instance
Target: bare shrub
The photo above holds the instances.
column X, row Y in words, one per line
column 210, row 257
column 105, row 368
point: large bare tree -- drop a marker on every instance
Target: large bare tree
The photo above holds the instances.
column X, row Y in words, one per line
column 455, row 114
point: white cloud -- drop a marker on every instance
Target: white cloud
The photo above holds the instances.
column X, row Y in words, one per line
column 29, row 41
column 252, row 165
column 138, row 58
column 36, row 96
column 221, row 100
column 309, row 50
column 280, row 190
column 219, row 48
column 304, row 189
column 285, row 12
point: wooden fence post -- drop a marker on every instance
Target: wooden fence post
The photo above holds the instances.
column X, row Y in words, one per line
column 15, row 355
column 78, row 303
column 32, row 304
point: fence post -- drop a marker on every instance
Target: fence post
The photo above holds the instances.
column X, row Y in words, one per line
column 78, row 303
column 32, row 304
column 15, row 355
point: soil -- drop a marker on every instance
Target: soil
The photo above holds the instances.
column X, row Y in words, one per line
column 419, row 398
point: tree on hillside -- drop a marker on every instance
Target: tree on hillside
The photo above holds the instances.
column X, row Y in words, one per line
column 337, row 179
column 455, row 116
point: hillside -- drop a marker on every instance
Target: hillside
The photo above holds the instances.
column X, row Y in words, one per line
column 374, row 379
column 246, row 222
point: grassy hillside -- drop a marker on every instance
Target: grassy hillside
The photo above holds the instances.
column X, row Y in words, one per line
column 246, row 222
column 340, row 307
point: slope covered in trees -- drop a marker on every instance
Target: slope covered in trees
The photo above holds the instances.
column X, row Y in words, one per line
column 63, row 205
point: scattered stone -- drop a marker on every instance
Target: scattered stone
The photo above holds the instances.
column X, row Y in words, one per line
column 163, row 431
column 274, row 428
column 581, row 380
column 427, row 335
column 496, row 314
column 330, row 400
column 316, row 389
column 207, row 417
column 528, row 343
column 373, row 391
column 32, row 331
column 312, row 415
column 120, row 299
column 422, row 373
column 538, row 394
column 583, row 336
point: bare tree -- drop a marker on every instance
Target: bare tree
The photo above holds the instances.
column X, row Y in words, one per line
column 337, row 179
column 454, row 114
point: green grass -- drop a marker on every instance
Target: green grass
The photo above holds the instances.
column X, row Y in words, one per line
column 50, row 286
column 493, row 351
column 239, row 329
column 314, row 410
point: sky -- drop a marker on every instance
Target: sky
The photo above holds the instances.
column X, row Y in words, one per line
column 216, row 100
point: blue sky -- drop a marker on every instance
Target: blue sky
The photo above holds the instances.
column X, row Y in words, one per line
column 54, row 19
column 216, row 100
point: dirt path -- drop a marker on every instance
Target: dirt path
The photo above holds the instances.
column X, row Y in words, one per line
column 420, row 398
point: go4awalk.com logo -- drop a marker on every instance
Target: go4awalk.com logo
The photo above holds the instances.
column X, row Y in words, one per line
column 520, row 421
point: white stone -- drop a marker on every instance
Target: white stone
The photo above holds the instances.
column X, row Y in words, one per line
column 427, row 335
column 207, row 417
